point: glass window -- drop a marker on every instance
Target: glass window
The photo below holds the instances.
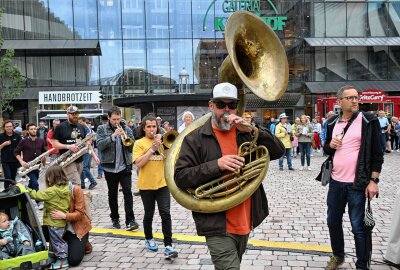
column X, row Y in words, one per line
column 180, row 19
column 133, row 18
column 87, row 70
column 62, row 70
column 36, row 19
column 157, row 18
column 111, row 62
column 393, row 63
column 109, row 19
column 357, row 61
column 394, row 17
column 38, row 71
column 205, row 63
column 12, row 19
column 159, row 74
column 20, row 63
column 356, row 19
column 335, row 19
column 336, row 69
column 61, row 19
column 319, row 64
column 203, row 18
column 295, row 54
column 85, row 19
column 181, row 58
column 378, row 63
column 135, row 70
column 377, row 22
column 319, row 20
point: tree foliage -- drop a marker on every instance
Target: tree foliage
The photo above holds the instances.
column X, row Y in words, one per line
column 11, row 79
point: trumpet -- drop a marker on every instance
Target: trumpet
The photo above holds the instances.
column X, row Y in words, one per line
column 126, row 141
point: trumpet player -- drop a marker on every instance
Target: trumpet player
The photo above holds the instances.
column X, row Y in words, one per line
column 211, row 151
column 115, row 143
column 31, row 147
column 148, row 156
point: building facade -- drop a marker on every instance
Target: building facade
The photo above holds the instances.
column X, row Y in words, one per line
column 136, row 51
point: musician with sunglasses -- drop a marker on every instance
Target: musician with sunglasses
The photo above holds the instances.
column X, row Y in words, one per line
column 209, row 152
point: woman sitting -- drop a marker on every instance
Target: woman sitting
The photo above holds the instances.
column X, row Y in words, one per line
column 79, row 225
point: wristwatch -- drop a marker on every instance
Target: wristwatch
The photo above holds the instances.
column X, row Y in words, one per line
column 375, row 180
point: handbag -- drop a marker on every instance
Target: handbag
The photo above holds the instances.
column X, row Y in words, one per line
column 326, row 168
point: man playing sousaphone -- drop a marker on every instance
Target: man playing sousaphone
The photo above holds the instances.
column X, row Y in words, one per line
column 211, row 151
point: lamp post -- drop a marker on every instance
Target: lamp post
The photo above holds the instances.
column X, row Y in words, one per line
column 183, row 81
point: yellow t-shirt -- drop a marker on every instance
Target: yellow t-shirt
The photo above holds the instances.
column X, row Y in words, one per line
column 151, row 175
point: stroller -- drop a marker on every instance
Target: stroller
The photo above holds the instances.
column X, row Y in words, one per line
column 15, row 203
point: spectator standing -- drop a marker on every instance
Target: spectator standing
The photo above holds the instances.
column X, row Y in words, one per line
column 305, row 134
column 187, row 119
column 396, row 133
column 317, row 132
column 385, row 128
column 295, row 142
column 9, row 140
column 53, row 154
column 283, row 131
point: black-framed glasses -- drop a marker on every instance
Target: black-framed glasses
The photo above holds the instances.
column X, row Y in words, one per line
column 221, row 105
column 352, row 98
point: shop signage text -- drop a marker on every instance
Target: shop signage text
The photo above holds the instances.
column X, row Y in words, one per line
column 69, row 97
column 370, row 96
column 275, row 22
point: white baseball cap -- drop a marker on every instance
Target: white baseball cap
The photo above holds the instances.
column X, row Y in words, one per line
column 225, row 91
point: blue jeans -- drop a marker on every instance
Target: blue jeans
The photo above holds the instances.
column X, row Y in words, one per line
column 288, row 154
column 9, row 171
column 87, row 159
column 339, row 195
column 383, row 142
column 305, row 148
column 33, row 180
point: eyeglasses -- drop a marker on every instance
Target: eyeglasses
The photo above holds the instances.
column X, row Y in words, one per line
column 221, row 105
column 74, row 113
column 352, row 98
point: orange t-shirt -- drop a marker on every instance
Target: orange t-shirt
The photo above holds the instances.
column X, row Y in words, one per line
column 238, row 218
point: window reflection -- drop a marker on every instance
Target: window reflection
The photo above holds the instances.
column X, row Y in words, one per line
column 109, row 19
column 38, row 71
column 157, row 18
column 181, row 57
column 12, row 19
column 203, row 22
column 62, row 70
column 207, row 62
column 135, row 70
column 87, row 70
column 133, row 18
column 159, row 77
column 85, row 19
column 36, row 19
column 180, row 19
column 61, row 19
column 111, row 62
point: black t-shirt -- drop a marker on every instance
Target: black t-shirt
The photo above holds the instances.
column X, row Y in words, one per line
column 7, row 153
column 67, row 133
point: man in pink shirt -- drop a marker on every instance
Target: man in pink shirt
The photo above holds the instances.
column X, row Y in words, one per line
column 357, row 163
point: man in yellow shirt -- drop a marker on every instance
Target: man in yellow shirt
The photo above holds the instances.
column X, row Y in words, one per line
column 149, row 156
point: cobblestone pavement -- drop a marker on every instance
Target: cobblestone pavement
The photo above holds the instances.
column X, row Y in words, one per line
column 297, row 214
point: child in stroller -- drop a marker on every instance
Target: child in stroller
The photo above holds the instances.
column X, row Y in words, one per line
column 14, row 238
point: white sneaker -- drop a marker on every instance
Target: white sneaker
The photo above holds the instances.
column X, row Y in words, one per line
column 308, row 169
column 397, row 150
column 301, row 168
column 318, row 150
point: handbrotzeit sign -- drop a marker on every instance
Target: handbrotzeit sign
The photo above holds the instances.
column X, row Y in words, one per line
column 75, row 97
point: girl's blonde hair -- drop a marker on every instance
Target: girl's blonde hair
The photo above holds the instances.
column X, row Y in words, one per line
column 3, row 216
column 55, row 176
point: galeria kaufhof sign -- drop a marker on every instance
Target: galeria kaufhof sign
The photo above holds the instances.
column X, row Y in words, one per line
column 275, row 22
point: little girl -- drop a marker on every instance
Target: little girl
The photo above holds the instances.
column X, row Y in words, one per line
column 55, row 197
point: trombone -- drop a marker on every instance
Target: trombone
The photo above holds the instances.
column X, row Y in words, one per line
column 126, row 141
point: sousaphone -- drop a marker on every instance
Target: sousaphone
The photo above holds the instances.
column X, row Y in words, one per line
column 258, row 61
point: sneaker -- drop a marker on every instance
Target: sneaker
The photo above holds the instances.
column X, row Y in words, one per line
column 170, row 253
column 59, row 263
column 334, row 263
column 291, row 169
column 40, row 205
column 308, row 168
column 99, row 176
column 132, row 226
column 151, row 245
column 397, row 150
column 92, row 185
column 301, row 168
column 115, row 224
column 281, row 169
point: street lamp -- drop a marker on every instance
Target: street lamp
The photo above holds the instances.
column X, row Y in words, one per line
column 183, row 81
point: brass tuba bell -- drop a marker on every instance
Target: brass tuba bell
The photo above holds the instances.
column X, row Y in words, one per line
column 169, row 138
column 257, row 60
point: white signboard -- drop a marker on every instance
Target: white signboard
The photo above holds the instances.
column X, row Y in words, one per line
column 69, row 97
